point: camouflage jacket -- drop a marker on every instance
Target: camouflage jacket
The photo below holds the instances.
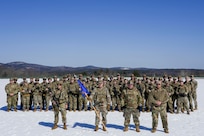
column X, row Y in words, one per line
column 132, row 98
column 11, row 89
column 101, row 96
column 158, row 95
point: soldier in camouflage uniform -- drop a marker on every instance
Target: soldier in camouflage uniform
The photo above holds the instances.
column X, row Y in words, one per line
column 59, row 102
column 189, row 86
column 25, row 92
column 170, row 92
column 158, row 99
column 48, row 93
column 12, row 93
column 141, row 87
column 73, row 90
column 194, row 84
column 31, row 84
column 102, row 100
column 37, row 95
column 115, row 93
column 132, row 100
column 44, row 91
column 83, row 100
column 182, row 93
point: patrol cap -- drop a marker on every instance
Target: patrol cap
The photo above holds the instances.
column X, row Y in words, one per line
column 24, row 78
column 130, row 82
column 44, row 78
column 11, row 79
column 99, row 82
column 118, row 74
column 59, row 83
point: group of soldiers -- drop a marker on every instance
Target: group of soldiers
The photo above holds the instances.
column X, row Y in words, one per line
column 180, row 95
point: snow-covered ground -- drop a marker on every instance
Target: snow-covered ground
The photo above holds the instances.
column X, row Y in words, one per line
column 82, row 123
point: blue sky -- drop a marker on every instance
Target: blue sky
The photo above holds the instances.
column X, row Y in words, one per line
column 104, row 33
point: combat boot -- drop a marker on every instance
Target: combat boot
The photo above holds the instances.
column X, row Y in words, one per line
column 125, row 129
column 65, row 126
column 34, row 110
column 137, row 129
column 104, row 128
column 15, row 110
column 166, row 131
column 96, row 128
column 143, row 110
column 55, row 126
column 153, row 130
column 8, row 110
column 188, row 112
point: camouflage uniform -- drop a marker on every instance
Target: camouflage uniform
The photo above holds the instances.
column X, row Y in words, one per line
column 189, row 87
column 194, row 84
column 73, row 90
column 170, row 92
column 59, row 101
column 141, row 87
column 115, row 96
column 12, row 94
column 31, row 84
column 82, row 100
column 182, row 93
column 132, row 100
column 44, row 90
column 25, row 92
column 101, row 98
column 158, row 99
column 37, row 95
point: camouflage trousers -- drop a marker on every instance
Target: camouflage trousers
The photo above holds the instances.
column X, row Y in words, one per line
column 155, row 114
column 61, row 108
column 182, row 102
column 170, row 105
column 26, row 102
column 12, row 102
column 47, row 101
column 194, row 96
column 103, row 112
column 190, row 99
column 116, row 102
column 37, row 100
column 82, row 103
column 73, row 102
column 135, row 114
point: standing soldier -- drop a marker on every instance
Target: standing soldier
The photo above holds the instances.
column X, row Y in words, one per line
column 73, row 90
column 189, row 87
column 132, row 100
column 59, row 102
column 102, row 100
column 158, row 99
column 175, row 85
column 44, row 90
column 83, row 100
column 170, row 92
column 182, row 93
column 194, row 84
column 141, row 87
column 12, row 93
column 37, row 95
column 25, row 92
column 115, row 93
column 31, row 84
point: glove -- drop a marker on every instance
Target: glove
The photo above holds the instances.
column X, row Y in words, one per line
column 108, row 107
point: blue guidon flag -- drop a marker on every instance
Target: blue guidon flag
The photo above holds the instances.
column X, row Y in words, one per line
column 84, row 91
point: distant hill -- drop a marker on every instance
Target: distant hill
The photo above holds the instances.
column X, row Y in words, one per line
column 22, row 69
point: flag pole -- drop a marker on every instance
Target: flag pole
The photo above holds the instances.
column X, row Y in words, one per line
column 97, row 114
